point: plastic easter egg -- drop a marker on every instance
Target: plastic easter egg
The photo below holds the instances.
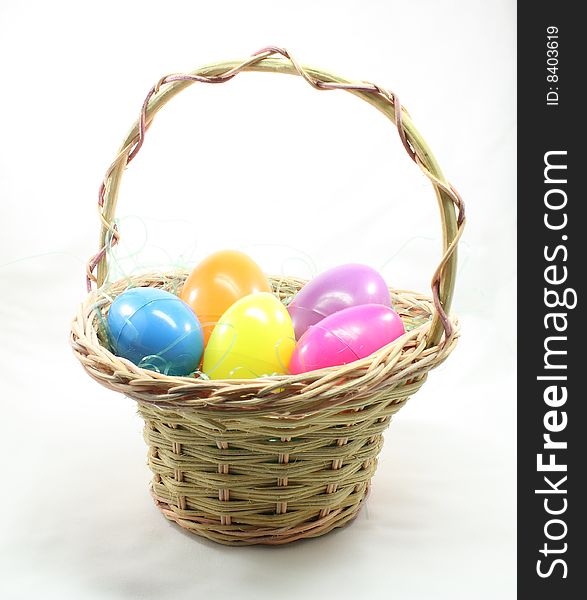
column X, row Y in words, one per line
column 346, row 336
column 254, row 337
column 219, row 281
column 155, row 330
column 336, row 289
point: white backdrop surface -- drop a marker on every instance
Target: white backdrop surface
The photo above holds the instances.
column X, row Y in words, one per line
column 301, row 180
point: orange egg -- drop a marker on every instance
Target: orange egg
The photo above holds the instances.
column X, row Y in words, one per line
column 217, row 282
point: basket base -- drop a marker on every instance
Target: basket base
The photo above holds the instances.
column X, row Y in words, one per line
column 233, row 535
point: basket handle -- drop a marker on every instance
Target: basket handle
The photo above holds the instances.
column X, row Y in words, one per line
column 452, row 210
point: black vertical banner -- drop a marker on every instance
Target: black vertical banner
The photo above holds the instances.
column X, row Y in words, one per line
column 552, row 267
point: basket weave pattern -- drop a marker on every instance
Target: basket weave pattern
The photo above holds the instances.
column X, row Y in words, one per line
column 273, row 459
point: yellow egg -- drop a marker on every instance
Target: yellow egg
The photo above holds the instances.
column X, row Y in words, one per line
column 253, row 338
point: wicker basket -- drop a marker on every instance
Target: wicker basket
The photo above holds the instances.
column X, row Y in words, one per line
column 274, row 459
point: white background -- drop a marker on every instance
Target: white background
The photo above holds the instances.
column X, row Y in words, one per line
column 301, row 180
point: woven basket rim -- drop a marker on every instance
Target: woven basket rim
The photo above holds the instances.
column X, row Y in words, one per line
column 385, row 368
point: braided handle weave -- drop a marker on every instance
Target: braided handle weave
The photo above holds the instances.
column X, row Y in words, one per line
column 451, row 205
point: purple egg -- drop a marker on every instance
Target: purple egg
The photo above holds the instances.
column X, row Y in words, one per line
column 346, row 336
column 334, row 290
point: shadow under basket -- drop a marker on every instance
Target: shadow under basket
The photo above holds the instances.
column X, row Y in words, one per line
column 274, row 459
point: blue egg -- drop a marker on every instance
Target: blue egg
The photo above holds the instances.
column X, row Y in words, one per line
column 155, row 330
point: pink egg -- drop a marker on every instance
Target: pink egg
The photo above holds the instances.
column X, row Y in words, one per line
column 345, row 336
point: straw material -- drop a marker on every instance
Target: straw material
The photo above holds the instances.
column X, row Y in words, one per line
column 273, row 459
